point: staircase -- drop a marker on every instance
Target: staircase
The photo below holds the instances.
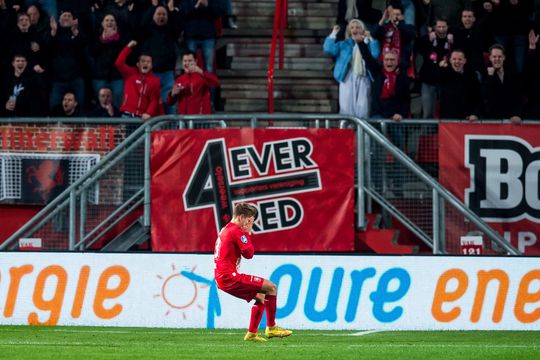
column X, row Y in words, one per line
column 305, row 85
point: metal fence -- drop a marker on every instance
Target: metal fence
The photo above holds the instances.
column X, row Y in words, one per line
column 396, row 175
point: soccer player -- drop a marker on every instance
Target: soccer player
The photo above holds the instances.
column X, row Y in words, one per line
column 233, row 243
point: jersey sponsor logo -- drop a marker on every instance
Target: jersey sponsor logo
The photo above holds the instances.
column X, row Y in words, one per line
column 244, row 239
column 504, row 178
column 223, row 177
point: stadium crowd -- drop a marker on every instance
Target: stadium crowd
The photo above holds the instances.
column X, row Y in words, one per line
column 100, row 58
column 468, row 59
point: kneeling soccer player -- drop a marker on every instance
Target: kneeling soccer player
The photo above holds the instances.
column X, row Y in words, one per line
column 233, row 243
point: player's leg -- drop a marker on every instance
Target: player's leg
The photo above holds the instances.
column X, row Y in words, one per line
column 272, row 330
column 256, row 315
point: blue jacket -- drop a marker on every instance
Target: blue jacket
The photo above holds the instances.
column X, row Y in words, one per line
column 342, row 52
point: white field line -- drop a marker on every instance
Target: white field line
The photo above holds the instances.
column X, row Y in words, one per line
column 486, row 346
column 362, row 333
column 195, row 332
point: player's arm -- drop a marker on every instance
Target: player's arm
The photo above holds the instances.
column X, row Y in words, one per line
column 246, row 246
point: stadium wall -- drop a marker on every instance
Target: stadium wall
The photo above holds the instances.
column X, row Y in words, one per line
column 315, row 292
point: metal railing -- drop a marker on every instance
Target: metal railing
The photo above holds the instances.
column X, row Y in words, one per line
column 428, row 210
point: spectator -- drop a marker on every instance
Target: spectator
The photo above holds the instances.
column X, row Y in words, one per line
column 510, row 23
column 356, row 9
column 434, row 48
column 460, row 95
column 68, row 108
column 162, row 32
column 532, row 69
column 50, row 6
column 141, row 87
column 468, row 36
column 67, row 62
column 394, row 34
column 23, row 93
column 390, row 96
column 127, row 16
column 350, row 69
column 192, row 89
column 23, row 39
column 449, row 10
column 501, row 88
column 103, row 51
column 40, row 22
column 105, row 107
column 199, row 27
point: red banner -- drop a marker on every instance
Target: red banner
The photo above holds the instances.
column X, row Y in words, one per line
column 494, row 169
column 301, row 181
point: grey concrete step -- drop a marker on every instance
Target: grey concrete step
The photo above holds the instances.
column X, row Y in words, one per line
column 280, row 81
column 280, row 105
column 242, row 9
column 280, row 93
column 263, row 49
column 253, row 63
column 300, row 23
column 230, row 73
column 258, row 32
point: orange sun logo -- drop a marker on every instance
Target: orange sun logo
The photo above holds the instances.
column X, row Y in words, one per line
column 178, row 291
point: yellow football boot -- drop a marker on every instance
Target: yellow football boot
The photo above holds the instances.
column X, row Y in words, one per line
column 276, row 331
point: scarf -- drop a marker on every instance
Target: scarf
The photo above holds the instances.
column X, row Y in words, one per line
column 352, row 11
column 114, row 37
column 392, row 41
column 389, row 84
column 358, row 65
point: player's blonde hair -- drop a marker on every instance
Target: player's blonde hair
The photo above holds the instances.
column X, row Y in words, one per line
column 245, row 209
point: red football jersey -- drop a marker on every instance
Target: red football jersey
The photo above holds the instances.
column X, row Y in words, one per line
column 232, row 243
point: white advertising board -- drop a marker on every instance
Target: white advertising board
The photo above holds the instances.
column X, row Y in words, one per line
column 314, row 291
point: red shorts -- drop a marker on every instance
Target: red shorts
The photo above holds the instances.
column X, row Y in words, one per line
column 242, row 286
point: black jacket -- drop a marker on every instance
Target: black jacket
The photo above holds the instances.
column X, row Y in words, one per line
column 67, row 51
column 432, row 53
column 460, row 94
column 199, row 24
column 159, row 41
column 502, row 99
column 31, row 99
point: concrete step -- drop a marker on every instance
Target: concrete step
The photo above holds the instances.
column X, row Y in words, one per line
column 299, row 85
column 243, row 9
column 281, row 105
column 259, row 49
column 228, row 73
column 281, row 93
column 295, row 23
column 262, row 32
column 263, row 81
column 243, row 41
column 252, row 63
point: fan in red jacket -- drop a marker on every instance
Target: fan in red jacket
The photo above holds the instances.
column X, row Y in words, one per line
column 141, row 87
column 192, row 89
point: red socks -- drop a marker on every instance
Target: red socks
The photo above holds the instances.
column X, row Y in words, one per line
column 270, row 310
column 256, row 315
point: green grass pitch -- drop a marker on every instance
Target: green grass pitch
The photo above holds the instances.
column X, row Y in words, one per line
column 63, row 343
